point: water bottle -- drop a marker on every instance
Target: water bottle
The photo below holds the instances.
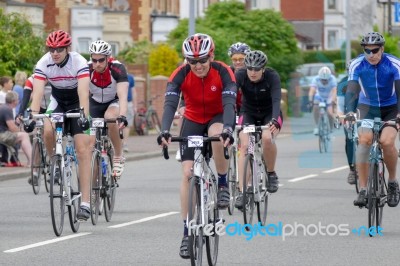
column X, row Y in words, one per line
column 104, row 162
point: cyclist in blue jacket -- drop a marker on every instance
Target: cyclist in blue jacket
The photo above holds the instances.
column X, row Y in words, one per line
column 375, row 80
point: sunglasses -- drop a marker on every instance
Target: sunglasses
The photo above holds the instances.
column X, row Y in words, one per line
column 194, row 62
column 238, row 60
column 58, row 49
column 374, row 51
column 256, row 69
column 101, row 60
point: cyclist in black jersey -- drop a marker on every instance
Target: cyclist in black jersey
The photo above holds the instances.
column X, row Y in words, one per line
column 261, row 88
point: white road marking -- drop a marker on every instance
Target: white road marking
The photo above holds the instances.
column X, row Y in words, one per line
column 301, row 178
column 46, row 242
column 336, row 169
column 143, row 220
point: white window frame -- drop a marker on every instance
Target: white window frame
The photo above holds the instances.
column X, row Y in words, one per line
column 83, row 45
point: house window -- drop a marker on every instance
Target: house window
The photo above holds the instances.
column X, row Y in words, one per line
column 332, row 39
column 84, row 45
column 114, row 48
column 253, row 3
column 332, row 4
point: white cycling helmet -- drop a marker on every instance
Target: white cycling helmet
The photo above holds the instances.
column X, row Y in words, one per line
column 324, row 73
column 100, row 47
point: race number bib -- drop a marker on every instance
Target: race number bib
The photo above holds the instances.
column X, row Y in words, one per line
column 367, row 123
column 195, row 141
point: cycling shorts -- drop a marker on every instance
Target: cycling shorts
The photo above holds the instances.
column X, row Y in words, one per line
column 386, row 113
column 259, row 120
column 97, row 110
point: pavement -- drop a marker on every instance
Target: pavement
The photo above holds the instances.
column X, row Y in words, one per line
column 144, row 147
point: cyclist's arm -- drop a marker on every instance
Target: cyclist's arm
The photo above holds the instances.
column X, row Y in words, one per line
column 334, row 94
column 311, row 93
column 229, row 94
column 276, row 94
column 351, row 96
column 38, row 91
column 122, row 92
column 397, row 89
column 170, row 105
column 83, row 93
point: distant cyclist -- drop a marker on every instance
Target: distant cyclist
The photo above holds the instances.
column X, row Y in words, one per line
column 261, row 105
column 68, row 75
column 374, row 79
column 109, row 95
column 322, row 89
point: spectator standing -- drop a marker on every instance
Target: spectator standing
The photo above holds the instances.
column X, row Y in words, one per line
column 20, row 79
column 132, row 107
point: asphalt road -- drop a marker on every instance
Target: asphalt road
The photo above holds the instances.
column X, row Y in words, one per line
column 146, row 227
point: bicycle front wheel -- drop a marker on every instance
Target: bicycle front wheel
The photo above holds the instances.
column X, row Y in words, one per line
column 232, row 180
column 248, row 191
column 321, row 134
column 194, row 219
column 75, row 195
column 382, row 193
column 212, row 241
column 57, row 202
column 262, row 204
column 95, row 187
column 37, row 167
column 373, row 208
column 110, row 189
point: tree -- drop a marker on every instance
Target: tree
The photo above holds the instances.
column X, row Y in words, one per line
column 163, row 60
column 229, row 22
column 20, row 49
column 138, row 53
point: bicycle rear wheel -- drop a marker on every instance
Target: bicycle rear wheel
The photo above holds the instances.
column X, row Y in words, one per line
column 95, row 187
column 37, row 167
column 156, row 121
column 194, row 218
column 57, row 202
column 232, row 180
column 373, row 209
column 110, row 186
column 75, row 195
column 262, row 205
column 212, row 241
column 248, row 194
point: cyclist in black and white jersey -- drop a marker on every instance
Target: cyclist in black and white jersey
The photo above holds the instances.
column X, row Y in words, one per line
column 109, row 95
column 68, row 75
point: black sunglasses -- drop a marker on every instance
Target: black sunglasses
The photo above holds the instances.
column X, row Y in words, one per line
column 58, row 49
column 374, row 51
column 254, row 68
column 101, row 60
column 194, row 62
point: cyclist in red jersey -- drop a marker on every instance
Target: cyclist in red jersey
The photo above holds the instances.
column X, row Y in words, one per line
column 209, row 90
column 109, row 95
column 67, row 73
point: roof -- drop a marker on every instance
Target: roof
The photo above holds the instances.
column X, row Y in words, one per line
column 309, row 31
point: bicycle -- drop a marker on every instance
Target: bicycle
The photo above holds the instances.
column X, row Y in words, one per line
column 64, row 177
column 254, row 184
column 147, row 118
column 377, row 186
column 40, row 161
column 232, row 175
column 103, row 185
column 323, row 128
column 203, row 209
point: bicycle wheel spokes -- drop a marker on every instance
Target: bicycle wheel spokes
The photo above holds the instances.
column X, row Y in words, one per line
column 75, row 197
column 95, row 187
column 194, row 217
column 248, row 195
column 372, row 200
column 262, row 205
column 57, row 202
column 110, row 189
column 232, row 180
column 37, row 167
column 212, row 241
column 46, row 169
column 382, row 195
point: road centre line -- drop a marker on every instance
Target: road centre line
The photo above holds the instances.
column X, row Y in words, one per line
column 314, row 175
column 301, row 178
column 47, row 242
column 143, row 220
column 336, row 169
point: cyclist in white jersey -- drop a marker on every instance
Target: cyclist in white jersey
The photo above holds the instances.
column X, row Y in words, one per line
column 109, row 95
column 323, row 88
column 68, row 74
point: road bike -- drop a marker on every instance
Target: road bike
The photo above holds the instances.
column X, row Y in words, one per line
column 40, row 160
column 103, row 185
column 323, row 128
column 232, row 176
column 254, row 185
column 64, row 177
column 147, row 118
column 203, row 210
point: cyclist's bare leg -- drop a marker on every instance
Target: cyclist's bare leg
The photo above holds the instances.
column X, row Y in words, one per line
column 83, row 152
column 269, row 150
column 331, row 116
column 112, row 112
column 365, row 140
column 23, row 138
column 221, row 164
column 244, row 144
column 48, row 137
column 315, row 111
column 186, row 168
column 390, row 155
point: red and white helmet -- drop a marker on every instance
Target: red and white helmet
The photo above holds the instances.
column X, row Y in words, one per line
column 58, row 38
column 198, row 45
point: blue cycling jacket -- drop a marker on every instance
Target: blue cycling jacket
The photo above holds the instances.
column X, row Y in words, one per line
column 376, row 81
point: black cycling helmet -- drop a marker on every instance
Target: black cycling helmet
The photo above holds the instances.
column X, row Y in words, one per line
column 372, row 38
column 238, row 48
column 256, row 58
